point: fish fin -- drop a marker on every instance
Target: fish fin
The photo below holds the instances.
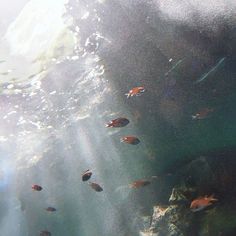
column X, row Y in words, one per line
column 209, row 204
column 198, row 209
column 85, row 171
column 200, row 197
column 194, row 117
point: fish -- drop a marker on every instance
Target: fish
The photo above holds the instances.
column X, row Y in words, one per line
column 139, row 183
column 36, row 187
column 204, row 76
column 96, row 187
column 45, row 233
column 130, row 140
column 50, row 209
column 136, row 91
column 201, row 203
column 86, row 175
column 202, row 114
column 119, row 122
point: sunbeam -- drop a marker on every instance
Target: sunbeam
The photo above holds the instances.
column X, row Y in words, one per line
column 96, row 134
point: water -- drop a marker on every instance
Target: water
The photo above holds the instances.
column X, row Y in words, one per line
column 65, row 68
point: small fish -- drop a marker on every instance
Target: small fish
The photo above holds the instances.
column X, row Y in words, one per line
column 50, row 209
column 139, row 183
column 135, row 92
column 130, row 140
column 202, row 114
column 86, row 175
column 96, row 187
column 45, row 233
column 36, row 187
column 119, row 122
column 201, row 203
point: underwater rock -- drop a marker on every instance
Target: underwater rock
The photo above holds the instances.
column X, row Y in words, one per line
column 146, row 221
column 220, row 221
column 180, row 194
column 174, row 220
column 201, row 173
column 148, row 233
column 177, row 196
column 142, row 222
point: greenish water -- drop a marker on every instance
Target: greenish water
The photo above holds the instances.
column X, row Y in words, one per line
column 53, row 127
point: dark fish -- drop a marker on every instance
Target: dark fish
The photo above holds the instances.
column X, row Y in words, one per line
column 139, row 183
column 119, row 122
column 130, row 140
column 51, row 209
column 36, row 187
column 45, row 233
column 96, row 187
column 86, row 175
column 202, row 114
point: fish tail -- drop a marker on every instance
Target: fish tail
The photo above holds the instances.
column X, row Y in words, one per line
column 194, row 117
column 212, row 198
column 128, row 95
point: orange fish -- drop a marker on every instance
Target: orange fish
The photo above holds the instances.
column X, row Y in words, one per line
column 86, row 175
column 50, row 209
column 45, row 233
column 130, row 140
column 96, row 187
column 36, row 187
column 202, row 114
column 201, row 203
column 139, row 183
column 119, row 122
column 135, row 92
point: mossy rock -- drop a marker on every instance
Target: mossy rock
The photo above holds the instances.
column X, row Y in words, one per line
column 219, row 221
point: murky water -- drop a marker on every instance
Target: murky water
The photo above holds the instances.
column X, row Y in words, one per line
column 65, row 68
